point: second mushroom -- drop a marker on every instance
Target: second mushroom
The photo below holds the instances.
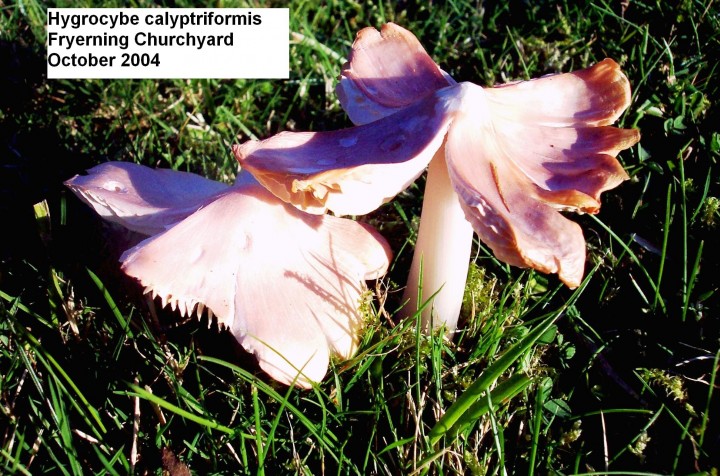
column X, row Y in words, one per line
column 503, row 161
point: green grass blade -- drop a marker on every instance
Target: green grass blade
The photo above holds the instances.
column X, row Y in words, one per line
column 666, row 235
column 541, row 395
column 152, row 398
column 16, row 303
column 504, row 391
column 12, row 465
column 124, row 324
column 261, row 448
column 488, row 377
column 711, row 388
column 691, row 282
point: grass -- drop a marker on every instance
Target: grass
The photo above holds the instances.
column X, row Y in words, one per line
column 616, row 377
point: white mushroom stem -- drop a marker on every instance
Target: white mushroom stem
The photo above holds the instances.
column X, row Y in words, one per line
column 442, row 250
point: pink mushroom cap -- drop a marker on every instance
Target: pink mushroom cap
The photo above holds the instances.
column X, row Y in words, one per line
column 287, row 284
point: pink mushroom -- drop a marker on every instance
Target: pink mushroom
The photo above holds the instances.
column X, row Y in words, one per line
column 505, row 160
column 289, row 285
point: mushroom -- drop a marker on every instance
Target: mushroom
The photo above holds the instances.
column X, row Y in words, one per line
column 288, row 285
column 505, row 159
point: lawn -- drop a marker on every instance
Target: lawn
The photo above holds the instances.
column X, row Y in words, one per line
column 618, row 376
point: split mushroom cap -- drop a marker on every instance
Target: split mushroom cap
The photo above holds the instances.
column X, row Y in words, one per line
column 288, row 285
column 142, row 199
column 516, row 154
